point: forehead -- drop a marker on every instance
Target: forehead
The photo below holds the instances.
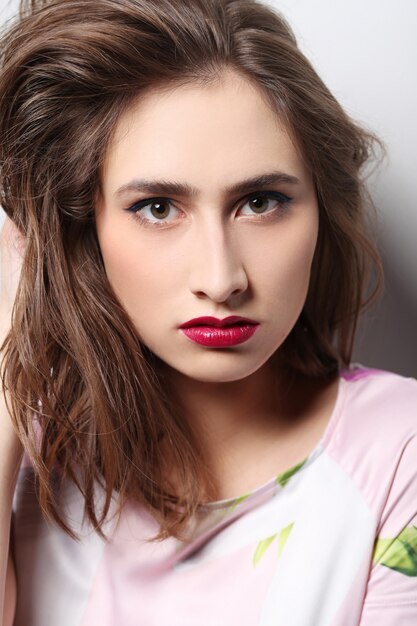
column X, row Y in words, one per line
column 202, row 134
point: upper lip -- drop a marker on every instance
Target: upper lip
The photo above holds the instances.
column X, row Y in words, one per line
column 214, row 321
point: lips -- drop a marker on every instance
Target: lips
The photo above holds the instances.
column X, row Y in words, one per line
column 214, row 321
column 216, row 333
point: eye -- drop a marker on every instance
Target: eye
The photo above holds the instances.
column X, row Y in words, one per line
column 152, row 211
column 260, row 202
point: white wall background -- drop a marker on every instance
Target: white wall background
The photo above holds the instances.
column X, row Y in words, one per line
column 7, row 9
column 366, row 52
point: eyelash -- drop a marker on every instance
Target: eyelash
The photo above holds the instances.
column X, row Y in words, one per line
column 135, row 209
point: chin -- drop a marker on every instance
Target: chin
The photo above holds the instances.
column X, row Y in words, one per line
column 218, row 372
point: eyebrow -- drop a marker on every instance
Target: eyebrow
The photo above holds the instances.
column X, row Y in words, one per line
column 182, row 189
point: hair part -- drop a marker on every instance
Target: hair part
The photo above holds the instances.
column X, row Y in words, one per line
column 73, row 362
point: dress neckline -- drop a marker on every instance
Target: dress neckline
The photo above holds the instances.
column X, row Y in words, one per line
column 278, row 481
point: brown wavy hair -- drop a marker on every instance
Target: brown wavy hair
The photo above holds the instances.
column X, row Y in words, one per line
column 73, row 362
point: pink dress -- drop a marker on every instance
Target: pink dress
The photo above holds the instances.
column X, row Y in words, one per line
column 330, row 542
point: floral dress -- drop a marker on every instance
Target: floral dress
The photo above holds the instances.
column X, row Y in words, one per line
column 331, row 541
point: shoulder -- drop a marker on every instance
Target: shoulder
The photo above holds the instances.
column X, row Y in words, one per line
column 357, row 372
column 379, row 400
column 374, row 434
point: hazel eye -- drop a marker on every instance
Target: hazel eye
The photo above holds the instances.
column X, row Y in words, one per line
column 260, row 203
column 152, row 211
column 160, row 212
column 159, row 209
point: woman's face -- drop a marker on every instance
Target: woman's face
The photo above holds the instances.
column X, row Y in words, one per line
column 199, row 248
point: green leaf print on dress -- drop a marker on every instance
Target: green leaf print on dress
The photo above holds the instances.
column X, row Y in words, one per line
column 281, row 479
column 284, row 477
column 238, row 500
column 283, row 537
column 262, row 546
column 398, row 553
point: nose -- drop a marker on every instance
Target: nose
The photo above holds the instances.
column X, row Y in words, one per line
column 217, row 269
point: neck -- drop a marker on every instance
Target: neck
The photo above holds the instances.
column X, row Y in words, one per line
column 237, row 423
column 219, row 412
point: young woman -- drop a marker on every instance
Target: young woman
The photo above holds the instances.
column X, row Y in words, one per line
column 188, row 202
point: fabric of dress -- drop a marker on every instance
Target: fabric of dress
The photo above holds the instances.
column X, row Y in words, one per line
column 330, row 542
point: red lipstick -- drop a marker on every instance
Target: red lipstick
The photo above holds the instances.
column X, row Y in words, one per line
column 217, row 333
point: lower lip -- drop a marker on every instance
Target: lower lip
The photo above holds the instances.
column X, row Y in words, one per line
column 220, row 337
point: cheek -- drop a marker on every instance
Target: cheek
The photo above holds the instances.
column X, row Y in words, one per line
column 298, row 264
column 285, row 265
column 141, row 277
column 125, row 272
